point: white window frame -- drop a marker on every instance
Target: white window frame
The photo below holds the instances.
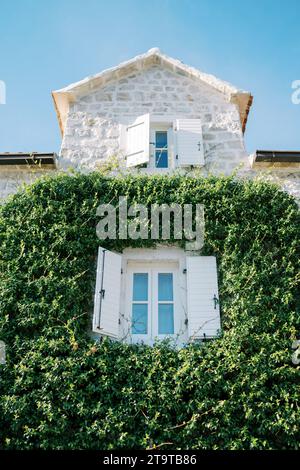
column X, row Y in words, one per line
column 161, row 260
column 153, row 269
column 160, row 128
column 165, row 125
column 164, row 269
column 173, row 126
column 138, row 269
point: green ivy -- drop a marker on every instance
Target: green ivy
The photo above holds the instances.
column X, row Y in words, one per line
column 61, row 390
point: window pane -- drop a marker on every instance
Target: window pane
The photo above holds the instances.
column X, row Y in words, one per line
column 161, row 139
column 161, row 159
column 165, row 286
column 140, row 286
column 139, row 319
column 165, row 319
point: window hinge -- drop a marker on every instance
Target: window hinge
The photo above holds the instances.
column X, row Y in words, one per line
column 176, row 157
column 216, row 301
column 102, row 293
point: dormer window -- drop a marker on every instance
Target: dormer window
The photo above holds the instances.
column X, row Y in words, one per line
column 178, row 143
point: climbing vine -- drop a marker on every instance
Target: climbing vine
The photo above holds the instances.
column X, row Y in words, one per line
column 59, row 389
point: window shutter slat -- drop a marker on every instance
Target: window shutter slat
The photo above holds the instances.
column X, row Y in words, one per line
column 189, row 142
column 2, row 353
column 107, row 293
column 202, row 297
column 138, row 141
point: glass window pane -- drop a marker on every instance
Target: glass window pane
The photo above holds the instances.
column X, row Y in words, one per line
column 161, row 159
column 161, row 139
column 140, row 286
column 165, row 319
column 165, row 286
column 139, row 319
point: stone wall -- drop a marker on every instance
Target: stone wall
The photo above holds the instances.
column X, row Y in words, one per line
column 12, row 177
column 94, row 124
column 287, row 177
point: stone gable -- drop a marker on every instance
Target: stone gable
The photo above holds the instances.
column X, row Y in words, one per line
column 94, row 123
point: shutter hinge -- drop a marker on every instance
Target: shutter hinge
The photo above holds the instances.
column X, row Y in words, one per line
column 176, row 157
column 102, row 293
column 216, row 301
column 186, row 321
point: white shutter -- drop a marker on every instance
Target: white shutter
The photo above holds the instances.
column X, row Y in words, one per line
column 107, row 293
column 138, row 141
column 202, row 297
column 189, row 141
column 2, row 353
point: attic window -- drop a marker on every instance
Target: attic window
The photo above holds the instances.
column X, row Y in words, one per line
column 164, row 145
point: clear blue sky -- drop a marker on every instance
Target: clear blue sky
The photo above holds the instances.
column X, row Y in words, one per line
column 45, row 45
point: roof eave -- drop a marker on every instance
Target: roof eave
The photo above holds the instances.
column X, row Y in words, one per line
column 243, row 100
column 275, row 159
column 61, row 104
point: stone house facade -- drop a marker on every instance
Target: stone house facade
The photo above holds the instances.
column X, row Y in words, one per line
column 95, row 112
column 154, row 114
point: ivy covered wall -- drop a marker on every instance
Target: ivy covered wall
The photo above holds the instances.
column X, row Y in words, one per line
column 61, row 390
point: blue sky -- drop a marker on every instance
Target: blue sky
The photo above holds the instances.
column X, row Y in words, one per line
column 45, row 45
